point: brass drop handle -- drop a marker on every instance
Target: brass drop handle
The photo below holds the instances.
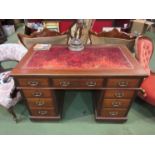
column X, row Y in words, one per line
column 122, row 83
column 91, row 83
column 40, row 103
column 37, row 94
column 33, row 83
column 114, row 113
column 64, row 83
column 116, row 104
column 42, row 112
column 119, row 94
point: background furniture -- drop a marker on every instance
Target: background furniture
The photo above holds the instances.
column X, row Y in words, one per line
column 99, row 24
column 144, row 50
column 9, row 95
column 64, row 24
column 109, row 71
column 140, row 26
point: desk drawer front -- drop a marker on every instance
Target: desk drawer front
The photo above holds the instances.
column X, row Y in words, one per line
column 43, row 112
column 119, row 94
column 71, row 83
column 37, row 93
column 123, row 83
column 41, row 102
column 33, row 82
column 110, row 112
column 116, row 103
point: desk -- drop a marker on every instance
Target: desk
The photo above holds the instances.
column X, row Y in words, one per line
column 110, row 71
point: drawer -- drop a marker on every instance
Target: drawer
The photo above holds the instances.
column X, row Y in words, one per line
column 122, row 83
column 40, row 102
column 110, row 112
column 33, row 82
column 116, row 103
column 43, row 112
column 119, row 94
column 68, row 82
column 37, row 93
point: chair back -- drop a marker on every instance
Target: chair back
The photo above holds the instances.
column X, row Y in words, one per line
column 144, row 50
column 13, row 52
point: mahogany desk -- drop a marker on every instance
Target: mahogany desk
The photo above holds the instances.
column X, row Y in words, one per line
column 110, row 71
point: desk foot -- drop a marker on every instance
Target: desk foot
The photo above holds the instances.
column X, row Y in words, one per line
column 110, row 119
column 43, row 118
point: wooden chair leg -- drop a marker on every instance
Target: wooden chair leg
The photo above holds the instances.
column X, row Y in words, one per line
column 11, row 111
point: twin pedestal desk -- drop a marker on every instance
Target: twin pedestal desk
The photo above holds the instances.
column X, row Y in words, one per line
column 110, row 71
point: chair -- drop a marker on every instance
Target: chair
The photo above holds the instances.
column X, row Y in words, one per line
column 144, row 50
column 9, row 95
column 45, row 36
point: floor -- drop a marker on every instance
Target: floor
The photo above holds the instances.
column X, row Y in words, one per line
column 78, row 115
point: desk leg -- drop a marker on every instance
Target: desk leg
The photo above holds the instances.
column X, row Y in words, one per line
column 45, row 113
column 103, row 113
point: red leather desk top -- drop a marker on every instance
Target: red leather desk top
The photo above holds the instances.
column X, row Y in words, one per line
column 60, row 57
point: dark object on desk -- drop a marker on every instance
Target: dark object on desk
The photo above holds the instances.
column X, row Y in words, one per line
column 144, row 51
column 110, row 71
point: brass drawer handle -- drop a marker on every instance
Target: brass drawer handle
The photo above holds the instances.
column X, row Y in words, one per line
column 91, row 83
column 119, row 94
column 39, row 103
column 42, row 112
column 116, row 104
column 37, row 94
column 64, row 83
column 123, row 83
column 113, row 113
column 33, row 83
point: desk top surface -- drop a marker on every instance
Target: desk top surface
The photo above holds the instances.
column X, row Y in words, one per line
column 92, row 60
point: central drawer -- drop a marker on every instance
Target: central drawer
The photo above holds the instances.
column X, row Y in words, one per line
column 37, row 93
column 77, row 82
